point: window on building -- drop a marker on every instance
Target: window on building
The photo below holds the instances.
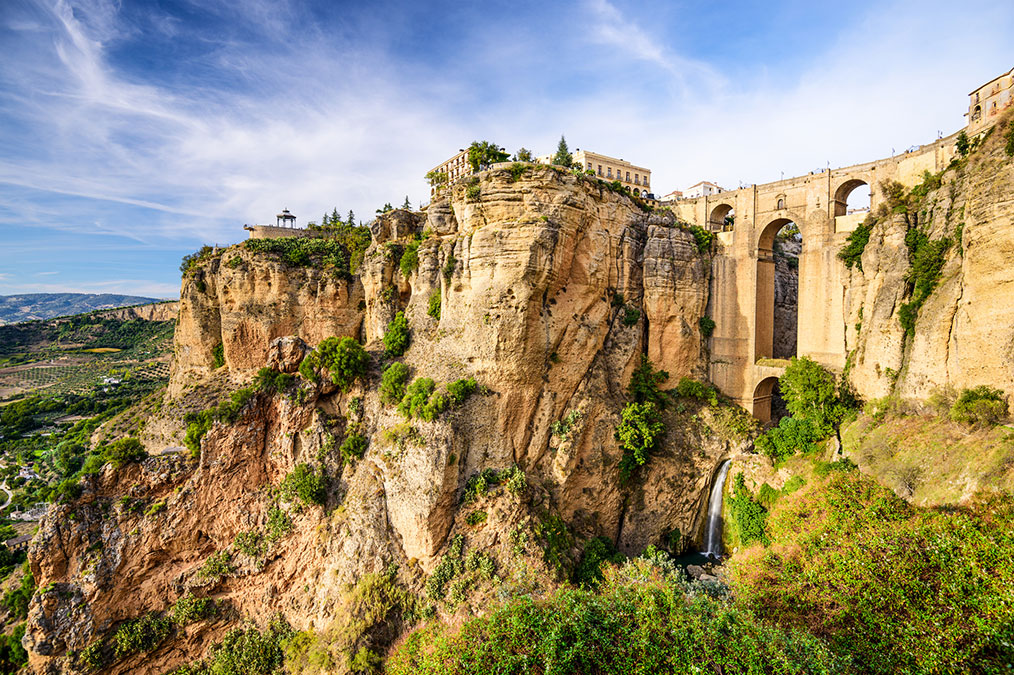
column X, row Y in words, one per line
column 628, row 176
column 781, row 203
column 600, row 169
column 637, row 179
column 609, row 172
column 589, row 166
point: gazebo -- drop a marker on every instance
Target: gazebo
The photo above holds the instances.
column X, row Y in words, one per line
column 285, row 219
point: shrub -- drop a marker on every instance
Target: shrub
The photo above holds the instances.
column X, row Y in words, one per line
column 476, row 518
column 215, row 567
column 227, row 412
column 517, row 169
column 748, row 516
column 343, row 358
column 642, row 622
column 852, row 253
column 396, row 337
column 193, row 260
column 271, row 381
column 895, row 587
column 640, row 431
column 450, row 566
column 340, row 252
column 249, row 543
column 644, row 384
column 630, row 316
column 410, row 258
column 304, row 482
column 434, row 305
column 279, row 524
column 700, row 391
column 141, row 635
column 460, row 390
column 449, row 265
column 188, row 609
column 124, row 450
column 473, row 192
column 218, row 356
column 16, row 599
column 251, row 652
column 926, row 263
column 422, row 401
column 12, row 655
column 962, row 144
column 791, row 435
column 353, row 448
column 561, row 428
column 982, row 405
column 702, row 237
column 707, row 326
column 392, row 383
column 598, row 550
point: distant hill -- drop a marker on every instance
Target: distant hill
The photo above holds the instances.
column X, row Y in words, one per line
column 29, row 306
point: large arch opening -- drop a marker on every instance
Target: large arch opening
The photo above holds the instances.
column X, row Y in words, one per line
column 850, row 198
column 762, row 396
column 722, row 219
column 777, row 312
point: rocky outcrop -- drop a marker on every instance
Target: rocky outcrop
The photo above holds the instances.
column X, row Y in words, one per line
column 550, row 287
column 964, row 333
column 158, row 311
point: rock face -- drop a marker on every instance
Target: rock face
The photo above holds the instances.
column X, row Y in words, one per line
column 964, row 332
column 550, row 289
column 786, row 297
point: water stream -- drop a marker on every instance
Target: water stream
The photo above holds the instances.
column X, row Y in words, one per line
column 713, row 535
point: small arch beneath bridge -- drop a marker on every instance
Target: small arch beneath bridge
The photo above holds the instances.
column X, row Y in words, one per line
column 849, row 199
column 722, row 218
column 762, row 395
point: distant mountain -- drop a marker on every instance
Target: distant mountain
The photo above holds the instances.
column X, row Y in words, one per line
column 30, row 306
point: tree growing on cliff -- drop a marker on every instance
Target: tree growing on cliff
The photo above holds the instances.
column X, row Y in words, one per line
column 343, row 359
column 563, row 157
column 396, row 337
column 812, row 393
column 482, row 154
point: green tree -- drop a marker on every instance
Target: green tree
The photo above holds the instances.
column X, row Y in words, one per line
column 406, row 204
column 962, row 145
column 523, row 155
column 385, row 208
column 436, row 178
column 352, row 219
column 563, row 156
column 639, row 433
column 811, row 393
column 344, row 359
column 396, row 337
column 481, row 154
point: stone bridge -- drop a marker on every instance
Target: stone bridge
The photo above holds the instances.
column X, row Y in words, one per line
column 742, row 285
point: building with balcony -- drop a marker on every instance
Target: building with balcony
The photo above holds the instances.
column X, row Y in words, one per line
column 454, row 168
column 987, row 102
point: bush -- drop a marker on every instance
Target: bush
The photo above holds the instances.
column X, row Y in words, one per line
column 700, row 391
column 644, row 384
column 410, row 258
column 279, row 524
column 451, row 565
column 630, row 316
column 476, row 518
column 895, row 587
column 852, row 253
column 461, row 390
column 982, row 405
column 561, row 428
column 340, row 252
column 791, row 435
column 215, row 567
column 392, row 383
column 188, row 609
column 124, row 450
column 343, row 358
column 422, row 401
column 702, row 237
column 748, row 516
column 640, row 623
column 640, row 431
column 16, row 599
column 271, row 381
column 598, row 550
column 707, row 326
column 396, row 338
column 141, row 635
column 250, row 652
column 449, row 265
column 218, row 356
column 353, row 448
column 227, row 412
column 193, row 260
column 304, row 482
column 12, row 655
column 926, row 263
column 434, row 305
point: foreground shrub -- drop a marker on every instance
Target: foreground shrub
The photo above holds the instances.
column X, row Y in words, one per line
column 812, row 393
column 852, row 253
column 749, row 519
column 982, row 405
column 900, row 588
column 640, row 624
column 124, row 450
column 790, row 436
column 640, row 431
column 343, row 359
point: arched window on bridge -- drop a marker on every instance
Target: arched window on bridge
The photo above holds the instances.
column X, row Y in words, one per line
column 722, row 219
column 852, row 196
column 777, row 311
column 768, row 405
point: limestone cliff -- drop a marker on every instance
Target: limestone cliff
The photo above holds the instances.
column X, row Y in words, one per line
column 964, row 332
column 550, row 287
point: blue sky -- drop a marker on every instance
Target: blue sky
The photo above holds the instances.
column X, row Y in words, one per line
column 133, row 132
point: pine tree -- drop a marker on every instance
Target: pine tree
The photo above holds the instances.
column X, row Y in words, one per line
column 563, row 156
column 407, row 204
column 352, row 219
column 336, row 220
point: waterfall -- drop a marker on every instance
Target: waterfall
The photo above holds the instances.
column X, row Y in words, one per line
column 713, row 536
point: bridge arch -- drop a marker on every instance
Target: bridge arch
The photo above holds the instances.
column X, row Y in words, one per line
column 722, row 217
column 846, row 191
column 775, row 339
column 762, row 395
